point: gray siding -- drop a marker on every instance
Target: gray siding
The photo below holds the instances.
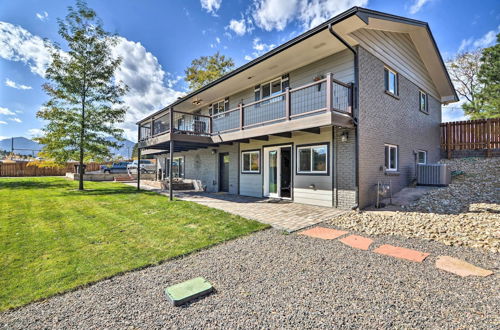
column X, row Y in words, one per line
column 398, row 52
column 385, row 119
column 340, row 65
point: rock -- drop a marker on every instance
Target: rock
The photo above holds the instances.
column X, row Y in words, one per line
column 460, row 267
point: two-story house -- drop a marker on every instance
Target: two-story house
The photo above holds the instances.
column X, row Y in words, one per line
column 321, row 119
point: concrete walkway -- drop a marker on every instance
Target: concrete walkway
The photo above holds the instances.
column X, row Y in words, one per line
column 280, row 214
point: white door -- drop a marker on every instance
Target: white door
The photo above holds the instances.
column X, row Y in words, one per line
column 272, row 171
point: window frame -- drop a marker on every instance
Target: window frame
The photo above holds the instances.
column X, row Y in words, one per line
column 182, row 175
column 387, row 157
column 425, row 156
column 250, row 171
column 312, row 146
column 426, row 98
column 223, row 101
column 387, row 71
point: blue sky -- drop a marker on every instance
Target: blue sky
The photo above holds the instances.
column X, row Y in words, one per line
column 160, row 38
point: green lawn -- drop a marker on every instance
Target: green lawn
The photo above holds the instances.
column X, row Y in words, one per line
column 54, row 238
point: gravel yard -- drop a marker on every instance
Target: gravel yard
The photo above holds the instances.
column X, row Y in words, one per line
column 273, row 280
column 466, row 213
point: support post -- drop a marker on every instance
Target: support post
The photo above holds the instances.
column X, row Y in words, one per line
column 329, row 91
column 170, row 172
column 242, row 118
column 138, row 168
column 287, row 103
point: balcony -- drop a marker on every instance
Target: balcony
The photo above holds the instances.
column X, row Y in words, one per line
column 320, row 103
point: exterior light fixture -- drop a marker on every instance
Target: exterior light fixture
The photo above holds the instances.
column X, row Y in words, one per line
column 196, row 101
column 345, row 136
column 214, row 151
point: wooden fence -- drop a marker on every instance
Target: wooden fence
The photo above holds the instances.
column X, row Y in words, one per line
column 26, row 169
column 481, row 134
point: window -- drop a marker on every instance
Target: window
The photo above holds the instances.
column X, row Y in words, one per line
column 220, row 106
column 391, row 81
column 250, row 161
column 271, row 88
column 177, row 167
column 312, row 159
column 421, row 157
column 423, row 102
column 391, row 157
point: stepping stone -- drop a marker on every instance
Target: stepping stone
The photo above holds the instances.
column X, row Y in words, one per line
column 460, row 267
column 181, row 293
column 357, row 242
column 323, row 233
column 402, row 253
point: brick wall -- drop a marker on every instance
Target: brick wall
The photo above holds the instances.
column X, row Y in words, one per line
column 385, row 119
column 345, row 195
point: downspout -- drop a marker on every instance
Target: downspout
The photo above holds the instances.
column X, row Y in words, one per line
column 354, row 107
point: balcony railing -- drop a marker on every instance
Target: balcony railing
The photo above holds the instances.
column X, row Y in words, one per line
column 321, row 96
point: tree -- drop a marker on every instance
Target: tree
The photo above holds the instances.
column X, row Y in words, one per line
column 464, row 69
column 207, row 69
column 135, row 151
column 85, row 101
column 489, row 77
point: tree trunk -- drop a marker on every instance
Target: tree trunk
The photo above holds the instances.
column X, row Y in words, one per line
column 82, row 133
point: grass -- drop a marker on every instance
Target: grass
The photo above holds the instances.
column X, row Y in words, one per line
column 54, row 238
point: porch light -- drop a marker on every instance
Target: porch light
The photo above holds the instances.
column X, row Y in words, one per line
column 345, row 136
column 196, row 101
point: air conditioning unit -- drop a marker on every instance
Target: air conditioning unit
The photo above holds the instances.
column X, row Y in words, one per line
column 433, row 174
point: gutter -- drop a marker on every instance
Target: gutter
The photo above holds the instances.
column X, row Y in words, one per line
column 354, row 109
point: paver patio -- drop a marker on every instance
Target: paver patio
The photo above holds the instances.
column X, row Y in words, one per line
column 283, row 215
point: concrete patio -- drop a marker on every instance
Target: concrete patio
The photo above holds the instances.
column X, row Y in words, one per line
column 280, row 214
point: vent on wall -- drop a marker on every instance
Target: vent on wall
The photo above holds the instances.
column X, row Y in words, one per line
column 433, row 174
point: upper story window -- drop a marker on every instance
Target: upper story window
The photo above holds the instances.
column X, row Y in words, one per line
column 270, row 88
column 220, row 106
column 391, row 81
column 391, row 158
column 423, row 102
column 312, row 159
column 421, row 157
column 161, row 124
column 145, row 130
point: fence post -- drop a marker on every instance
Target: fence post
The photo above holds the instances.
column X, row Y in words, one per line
column 287, row 103
column 488, row 137
column 242, row 118
column 329, row 91
column 448, row 140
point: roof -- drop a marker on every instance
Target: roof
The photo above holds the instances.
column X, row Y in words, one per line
column 362, row 13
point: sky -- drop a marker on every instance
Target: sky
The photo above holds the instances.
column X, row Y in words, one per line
column 160, row 38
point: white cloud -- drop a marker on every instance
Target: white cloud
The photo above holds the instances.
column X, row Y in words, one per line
column 217, row 39
column 453, row 113
column 3, row 123
column 15, row 85
column 42, row 16
column 259, row 48
column 17, row 120
column 238, row 27
column 144, row 75
column 139, row 69
column 486, row 40
column 17, row 44
column 5, row 111
column 248, row 57
column 417, row 5
column 35, row 132
column 211, row 6
column 276, row 14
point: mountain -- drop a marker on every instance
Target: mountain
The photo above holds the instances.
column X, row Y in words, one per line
column 24, row 146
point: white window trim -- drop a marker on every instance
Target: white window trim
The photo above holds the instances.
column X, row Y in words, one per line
column 311, row 159
column 223, row 101
column 426, row 110
column 389, row 157
column 396, row 81
column 418, row 158
column 250, row 152
column 270, row 87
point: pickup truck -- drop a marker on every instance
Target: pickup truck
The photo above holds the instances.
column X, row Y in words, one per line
column 146, row 165
column 120, row 167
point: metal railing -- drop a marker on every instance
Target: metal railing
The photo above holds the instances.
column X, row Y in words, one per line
column 324, row 95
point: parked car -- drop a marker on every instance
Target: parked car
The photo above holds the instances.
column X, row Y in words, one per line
column 120, row 167
column 146, row 165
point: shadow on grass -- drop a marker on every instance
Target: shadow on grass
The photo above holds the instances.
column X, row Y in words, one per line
column 25, row 184
column 103, row 191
